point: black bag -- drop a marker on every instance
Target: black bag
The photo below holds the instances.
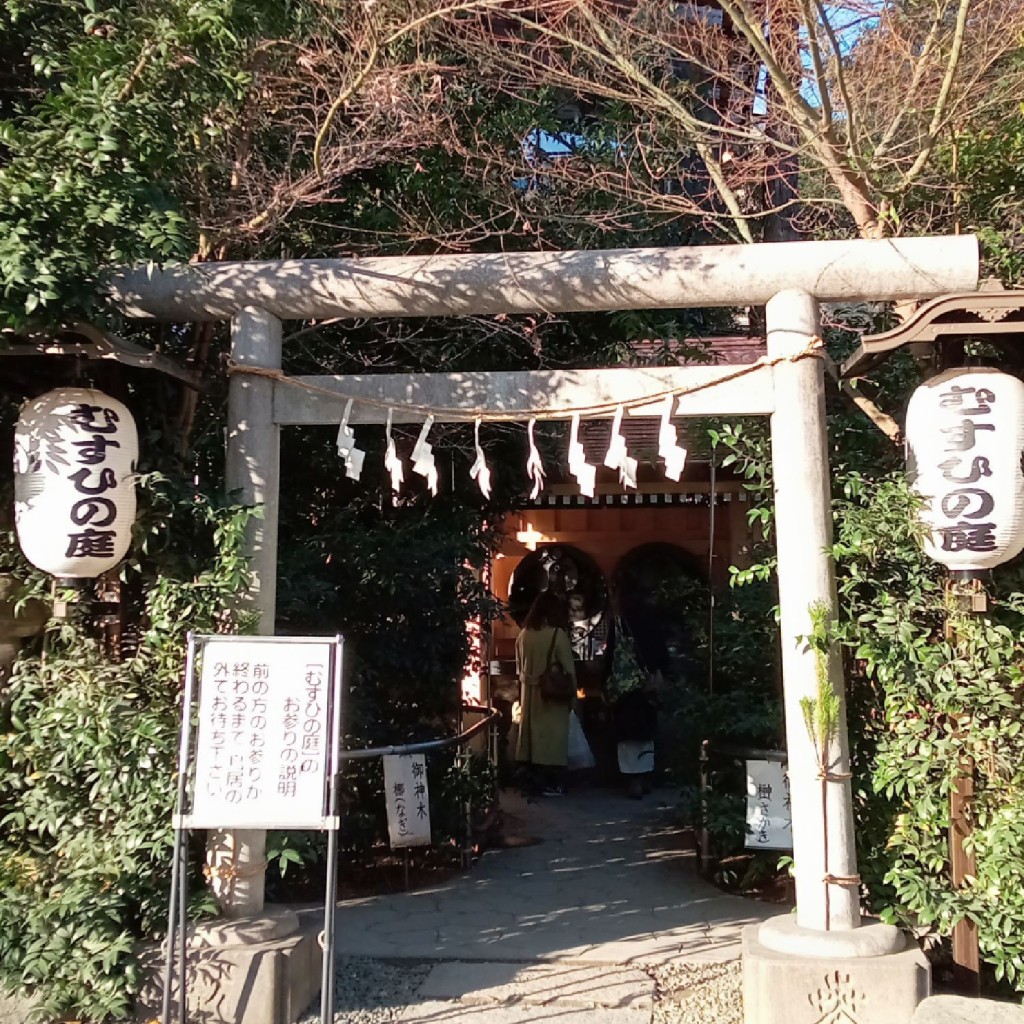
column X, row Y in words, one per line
column 555, row 683
column 636, row 718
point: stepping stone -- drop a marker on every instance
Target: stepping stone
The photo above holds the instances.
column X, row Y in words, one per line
column 567, row 984
column 960, row 1010
column 434, row 1012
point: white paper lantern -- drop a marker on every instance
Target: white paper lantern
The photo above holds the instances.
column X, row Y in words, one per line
column 965, row 436
column 75, row 452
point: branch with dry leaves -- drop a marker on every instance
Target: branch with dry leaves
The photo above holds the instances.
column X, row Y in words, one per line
column 860, row 97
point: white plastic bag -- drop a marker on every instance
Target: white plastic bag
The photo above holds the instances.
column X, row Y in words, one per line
column 580, row 754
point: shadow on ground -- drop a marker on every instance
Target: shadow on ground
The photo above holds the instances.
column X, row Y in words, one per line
column 611, row 882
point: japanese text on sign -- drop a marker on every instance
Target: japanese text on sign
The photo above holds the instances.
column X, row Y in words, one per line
column 968, row 510
column 769, row 817
column 261, row 757
column 95, row 512
column 408, row 803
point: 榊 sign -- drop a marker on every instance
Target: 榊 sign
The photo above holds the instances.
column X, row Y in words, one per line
column 769, row 817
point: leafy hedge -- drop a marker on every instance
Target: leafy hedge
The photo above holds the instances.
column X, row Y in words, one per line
column 919, row 706
column 926, row 707
column 88, row 745
column 88, row 750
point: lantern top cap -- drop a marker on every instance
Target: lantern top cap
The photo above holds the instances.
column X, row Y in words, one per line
column 91, row 342
column 989, row 312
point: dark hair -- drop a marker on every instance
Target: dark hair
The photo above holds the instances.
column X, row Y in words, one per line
column 546, row 610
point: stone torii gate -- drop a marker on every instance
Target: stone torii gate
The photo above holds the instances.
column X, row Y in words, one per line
column 788, row 958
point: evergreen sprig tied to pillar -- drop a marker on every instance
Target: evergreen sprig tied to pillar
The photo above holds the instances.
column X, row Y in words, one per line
column 822, row 718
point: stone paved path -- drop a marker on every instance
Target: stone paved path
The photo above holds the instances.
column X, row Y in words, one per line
column 560, row 929
column 501, row 993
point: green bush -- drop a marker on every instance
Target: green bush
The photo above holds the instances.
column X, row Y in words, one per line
column 924, row 707
column 400, row 582
column 87, row 772
column 919, row 706
column 88, row 752
column 297, row 860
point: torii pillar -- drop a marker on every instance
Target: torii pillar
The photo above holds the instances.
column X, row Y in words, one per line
column 821, row 965
column 236, row 857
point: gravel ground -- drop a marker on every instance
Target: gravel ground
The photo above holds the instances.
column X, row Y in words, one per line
column 376, row 992
column 371, row 991
column 698, row 993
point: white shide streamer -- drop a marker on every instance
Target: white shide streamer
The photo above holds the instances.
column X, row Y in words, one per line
column 480, row 471
column 392, row 463
column 586, row 475
column 352, row 456
column 423, row 457
column 534, row 466
column 669, row 448
column 617, row 456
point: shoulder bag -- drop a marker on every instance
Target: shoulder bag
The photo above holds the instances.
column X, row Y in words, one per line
column 555, row 683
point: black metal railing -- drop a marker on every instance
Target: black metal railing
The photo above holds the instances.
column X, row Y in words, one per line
column 460, row 739
column 426, row 746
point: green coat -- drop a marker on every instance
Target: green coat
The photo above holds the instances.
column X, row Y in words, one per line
column 544, row 729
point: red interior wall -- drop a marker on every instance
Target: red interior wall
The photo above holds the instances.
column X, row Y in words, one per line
column 606, row 534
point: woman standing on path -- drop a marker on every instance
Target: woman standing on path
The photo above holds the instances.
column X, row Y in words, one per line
column 544, row 729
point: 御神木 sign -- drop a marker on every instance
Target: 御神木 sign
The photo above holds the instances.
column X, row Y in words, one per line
column 408, row 803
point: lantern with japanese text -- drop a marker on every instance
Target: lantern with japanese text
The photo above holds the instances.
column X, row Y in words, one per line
column 75, row 452
column 965, row 436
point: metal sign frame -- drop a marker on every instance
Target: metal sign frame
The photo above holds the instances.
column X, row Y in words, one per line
column 177, row 912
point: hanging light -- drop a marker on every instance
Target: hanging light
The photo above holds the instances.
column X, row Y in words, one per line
column 965, row 435
column 75, row 452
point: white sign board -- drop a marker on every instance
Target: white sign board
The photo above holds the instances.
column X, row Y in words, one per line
column 408, row 803
column 769, row 817
column 264, row 734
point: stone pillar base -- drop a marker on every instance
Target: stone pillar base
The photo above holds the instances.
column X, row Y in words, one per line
column 782, row 988
column 783, row 935
column 238, row 976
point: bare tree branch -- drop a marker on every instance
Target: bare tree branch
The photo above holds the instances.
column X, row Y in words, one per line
column 680, row 112
column 343, row 98
column 920, row 66
column 852, row 121
column 818, row 64
column 944, row 90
